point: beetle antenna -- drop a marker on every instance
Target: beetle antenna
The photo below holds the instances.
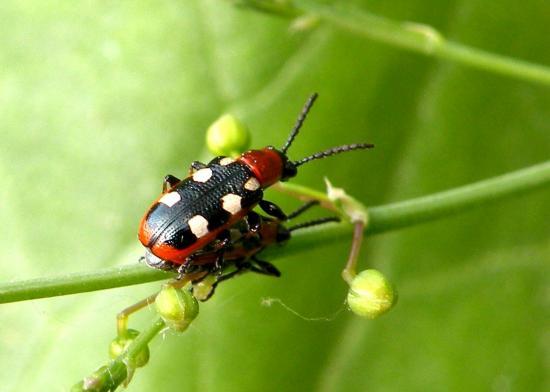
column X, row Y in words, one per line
column 299, row 122
column 333, row 151
column 315, row 222
column 303, row 208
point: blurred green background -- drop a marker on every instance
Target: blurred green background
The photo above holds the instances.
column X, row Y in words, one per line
column 99, row 100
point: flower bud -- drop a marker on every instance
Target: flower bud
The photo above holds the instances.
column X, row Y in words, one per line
column 371, row 294
column 121, row 342
column 227, row 136
column 177, row 307
column 204, row 289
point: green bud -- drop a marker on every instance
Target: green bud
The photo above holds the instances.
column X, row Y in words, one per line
column 177, row 307
column 371, row 294
column 121, row 342
column 227, row 136
column 204, row 289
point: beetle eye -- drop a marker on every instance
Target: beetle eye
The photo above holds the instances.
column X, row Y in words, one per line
column 283, row 234
column 290, row 170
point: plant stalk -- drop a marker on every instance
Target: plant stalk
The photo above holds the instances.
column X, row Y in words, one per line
column 381, row 219
column 420, row 38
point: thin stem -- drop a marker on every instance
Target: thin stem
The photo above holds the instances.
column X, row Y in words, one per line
column 304, row 193
column 350, row 271
column 415, row 37
column 123, row 316
column 411, row 212
column 142, row 340
column 121, row 369
column 279, row 7
column 80, row 282
column 381, row 218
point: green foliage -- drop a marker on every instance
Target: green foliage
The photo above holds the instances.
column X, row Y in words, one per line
column 101, row 100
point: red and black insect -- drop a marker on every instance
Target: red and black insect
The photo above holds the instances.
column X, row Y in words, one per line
column 250, row 236
column 197, row 212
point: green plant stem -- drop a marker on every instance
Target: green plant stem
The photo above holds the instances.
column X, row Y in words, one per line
column 279, row 7
column 420, row 38
column 142, row 340
column 411, row 212
column 381, row 218
column 79, row 282
column 119, row 370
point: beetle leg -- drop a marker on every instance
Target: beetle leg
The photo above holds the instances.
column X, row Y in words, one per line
column 217, row 268
column 254, row 221
column 265, row 268
column 196, row 165
column 303, row 208
column 169, row 182
column 223, row 241
column 314, row 222
column 186, row 267
column 239, row 268
column 272, row 209
column 251, row 198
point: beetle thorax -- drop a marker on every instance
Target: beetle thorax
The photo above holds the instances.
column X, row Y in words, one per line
column 267, row 164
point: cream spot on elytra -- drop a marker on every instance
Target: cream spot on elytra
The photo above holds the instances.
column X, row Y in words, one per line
column 231, row 203
column 198, row 225
column 170, row 199
column 226, row 161
column 202, row 175
column 252, row 184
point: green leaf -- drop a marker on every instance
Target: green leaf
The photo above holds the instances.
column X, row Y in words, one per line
column 99, row 101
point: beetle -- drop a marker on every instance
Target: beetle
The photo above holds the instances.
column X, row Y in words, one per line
column 250, row 236
column 198, row 211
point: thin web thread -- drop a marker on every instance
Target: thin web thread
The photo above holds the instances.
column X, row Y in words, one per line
column 269, row 301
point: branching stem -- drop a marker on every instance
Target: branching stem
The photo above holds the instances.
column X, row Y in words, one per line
column 381, row 218
column 411, row 36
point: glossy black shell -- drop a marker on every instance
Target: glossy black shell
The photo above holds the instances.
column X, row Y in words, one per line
column 169, row 225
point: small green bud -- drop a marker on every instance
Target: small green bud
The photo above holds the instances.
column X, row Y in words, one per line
column 177, row 307
column 227, row 136
column 204, row 289
column 119, row 344
column 371, row 294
